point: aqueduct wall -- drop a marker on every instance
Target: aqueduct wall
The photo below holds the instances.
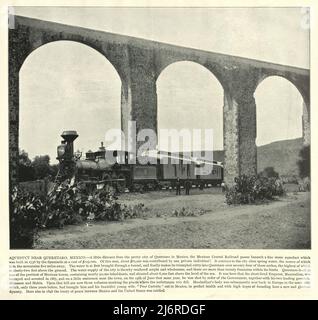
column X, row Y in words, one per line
column 139, row 63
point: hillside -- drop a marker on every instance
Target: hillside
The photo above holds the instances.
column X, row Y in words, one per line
column 282, row 155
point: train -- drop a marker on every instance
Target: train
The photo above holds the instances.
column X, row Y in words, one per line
column 162, row 169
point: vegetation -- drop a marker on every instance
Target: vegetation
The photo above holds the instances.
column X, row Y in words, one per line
column 253, row 189
column 39, row 168
column 188, row 212
column 68, row 203
column 282, row 155
column 304, row 162
column 25, row 218
column 269, row 172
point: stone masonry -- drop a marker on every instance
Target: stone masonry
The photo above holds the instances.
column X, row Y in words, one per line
column 139, row 63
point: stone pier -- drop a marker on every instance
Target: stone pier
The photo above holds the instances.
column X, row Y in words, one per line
column 139, row 63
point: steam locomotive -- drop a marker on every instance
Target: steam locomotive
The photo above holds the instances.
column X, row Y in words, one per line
column 162, row 171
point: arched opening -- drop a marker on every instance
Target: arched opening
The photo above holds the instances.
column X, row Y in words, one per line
column 190, row 97
column 66, row 85
column 279, row 112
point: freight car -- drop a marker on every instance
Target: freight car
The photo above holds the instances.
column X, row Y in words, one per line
column 162, row 171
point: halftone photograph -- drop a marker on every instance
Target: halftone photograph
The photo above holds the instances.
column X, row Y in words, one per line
column 159, row 128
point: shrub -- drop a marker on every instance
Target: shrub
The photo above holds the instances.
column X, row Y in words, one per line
column 26, row 210
column 188, row 212
column 253, row 189
column 269, row 172
column 134, row 211
column 67, row 203
column 289, row 179
column 304, row 185
column 71, row 203
column 304, row 162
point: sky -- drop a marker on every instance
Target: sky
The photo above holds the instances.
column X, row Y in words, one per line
column 67, row 85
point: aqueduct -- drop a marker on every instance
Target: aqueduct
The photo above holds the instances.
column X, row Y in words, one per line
column 139, row 63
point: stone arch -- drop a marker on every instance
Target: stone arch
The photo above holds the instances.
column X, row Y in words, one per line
column 302, row 88
column 78, row 81
column 38, row 44
column 296, row 81
column 214, row 69
column 207, row 78
column 139, row 62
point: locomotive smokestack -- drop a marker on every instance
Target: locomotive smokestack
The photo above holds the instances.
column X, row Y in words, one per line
column 69, row 136
column 102, row 148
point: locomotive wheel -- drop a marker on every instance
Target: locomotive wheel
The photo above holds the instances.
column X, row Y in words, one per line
column 121, row 185
column 106, row 177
